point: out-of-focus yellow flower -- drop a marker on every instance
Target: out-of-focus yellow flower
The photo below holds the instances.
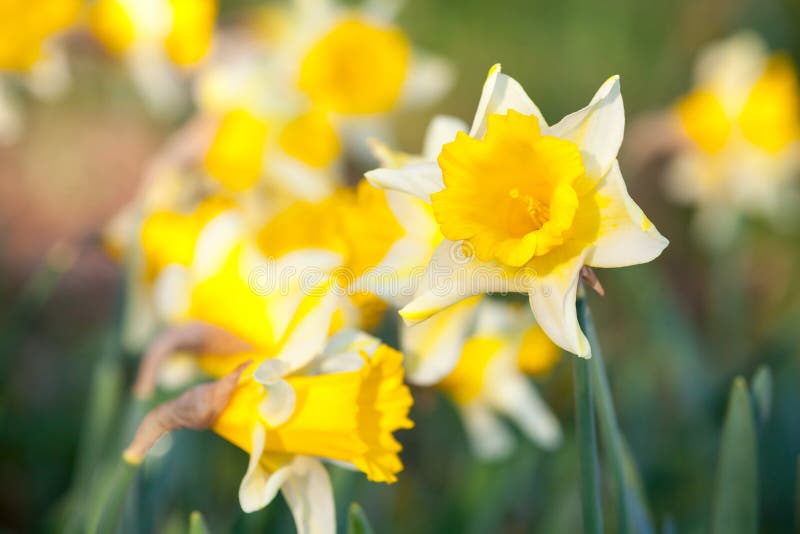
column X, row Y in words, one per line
column 154, row 37
column 236, row 154
column 478, row 352
column 311, row 138
column 169, row 237
column 742, row 127
column 356, row 68
column 266, row 135
column 189, row 38
column 181, row 28
column 524, row 205
column 29, row 53
column 27, row 27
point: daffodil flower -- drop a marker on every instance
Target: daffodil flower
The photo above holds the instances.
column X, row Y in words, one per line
column 373, row 242
column 307, row 397
column 357, row 65
column 523, row 206
column 156, row 37
column 30, row 54
column 264, row 132
column 741, row 125
column 478, row 353
column 344, row 407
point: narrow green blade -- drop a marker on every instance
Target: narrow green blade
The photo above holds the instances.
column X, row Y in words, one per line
column 197, row 525
column 762, row 392
column 736, row 498
column 357, row 522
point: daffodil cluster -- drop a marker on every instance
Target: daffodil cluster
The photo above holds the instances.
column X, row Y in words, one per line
column 249, row 221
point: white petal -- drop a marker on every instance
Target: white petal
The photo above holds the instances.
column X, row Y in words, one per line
column 156, row 80
column 10, row 120
column 343, row 362
column 451, row 277
column 441, row 130
column 298, row 179
column 172, row 293
column 433, row 347
column 215, row 243
column 597, row 129
column 309, row 494
column 626, row 236
column 499, row 318
column 518, row 399
column 50, row 77
column 488, row 436
column 278, row 404
column 552, row 300
column 259, row 487
column 429, row 78
column 501, row 93
column 395, row 277
column 418, row 179
column 351, row 340
column 271, row 371
column 307, row 332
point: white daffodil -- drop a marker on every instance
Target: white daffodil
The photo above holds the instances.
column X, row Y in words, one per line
column 741, row 125
column 523, row 206
column 157, row 39
column 478, row 353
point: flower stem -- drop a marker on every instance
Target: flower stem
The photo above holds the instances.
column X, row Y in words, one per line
column 587, row 439
column 609, row 427
column 107, row 510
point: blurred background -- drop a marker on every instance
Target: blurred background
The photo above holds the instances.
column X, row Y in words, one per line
column 675, row 332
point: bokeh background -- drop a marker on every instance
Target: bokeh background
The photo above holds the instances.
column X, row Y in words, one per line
column 675, row 332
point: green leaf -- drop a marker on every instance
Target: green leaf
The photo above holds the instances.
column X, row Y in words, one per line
column 586, row 434
column 736, row 498
column 637, row 502
column 197, row 524
column 357, row 522
column 762, row 392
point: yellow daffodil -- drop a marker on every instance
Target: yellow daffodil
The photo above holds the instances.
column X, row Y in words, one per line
column 355, row 65
column 265, row 132
column 741, row 124
column 478, row 352
column 29, row 53
column 523, row 206
column 154, row 35
column 306, row 397
column 356, row 62
column 344, row 407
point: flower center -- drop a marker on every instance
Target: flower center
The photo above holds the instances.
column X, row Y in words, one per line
column 511, row 194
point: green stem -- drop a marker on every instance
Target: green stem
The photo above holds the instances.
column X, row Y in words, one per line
column 609, row 427
column 106, row 511
column 587, row 440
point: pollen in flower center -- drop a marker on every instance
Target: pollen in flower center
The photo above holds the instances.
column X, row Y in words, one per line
column 525, row 213
column 510, row 194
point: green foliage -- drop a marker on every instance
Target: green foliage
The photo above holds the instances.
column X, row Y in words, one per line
column 357, row 522
column 197, row 524
column 735, row 508
column 762, row 392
